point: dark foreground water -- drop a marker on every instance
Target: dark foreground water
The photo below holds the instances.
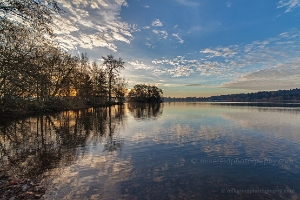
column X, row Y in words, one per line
column 167, row 151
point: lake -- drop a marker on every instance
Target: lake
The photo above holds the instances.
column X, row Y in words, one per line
column 163, row 151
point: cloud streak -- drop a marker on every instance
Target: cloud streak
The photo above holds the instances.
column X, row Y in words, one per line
column 140, row 65
column 233, row 61
column 157, row 22
column 228, row 4
column 290, row 5
column 180, row 40
column 223, row 52
column 187, row 3
column 182, row 85
column 162, row 34
column 89, row 24
column 286, row 76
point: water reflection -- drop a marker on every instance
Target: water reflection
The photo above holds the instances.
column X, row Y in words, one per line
column 221, row 148
column 189, row 150
column 145, row 110
column 114, row 143
column 32, row 146
column 258, row 104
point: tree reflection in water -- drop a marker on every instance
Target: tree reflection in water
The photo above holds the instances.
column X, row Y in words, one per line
column 32, row 146
column 114, row 143
column 145, row 110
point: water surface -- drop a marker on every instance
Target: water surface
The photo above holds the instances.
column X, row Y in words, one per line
column 166, row 151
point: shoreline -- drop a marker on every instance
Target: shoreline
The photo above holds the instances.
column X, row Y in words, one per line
column 15, row 114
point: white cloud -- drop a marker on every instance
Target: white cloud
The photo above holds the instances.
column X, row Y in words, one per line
column 140, row 65
column 284, row 35
column 288, row 4
column 232, row 61
column 194, row 85
column 181, row 41
column 158, row 72
column 234, row 64
column 239, row 59
column 228, row 4
column 70, row 42
column 181, row 71
column 180, row 66
column 209, row 68
column 162, row 34
column 185, row 85
column 96, row 22
column 134, row 28
column 188, row 3
column 223, row 52
column 287, row 42
column 150, row 45
column 157, row 22
column 282, row 76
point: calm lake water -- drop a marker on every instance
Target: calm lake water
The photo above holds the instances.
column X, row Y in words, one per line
column 166, row 151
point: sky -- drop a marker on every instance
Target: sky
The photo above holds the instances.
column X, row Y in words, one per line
column 190, row 47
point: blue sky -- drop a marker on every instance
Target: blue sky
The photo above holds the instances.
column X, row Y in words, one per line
column 188, row 47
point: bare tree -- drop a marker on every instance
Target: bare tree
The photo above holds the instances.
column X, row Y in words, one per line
column 119, row 89
column 113, row 67
column 99, row 80
column 36, row 14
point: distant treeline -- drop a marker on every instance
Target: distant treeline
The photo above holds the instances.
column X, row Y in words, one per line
column 292, row 95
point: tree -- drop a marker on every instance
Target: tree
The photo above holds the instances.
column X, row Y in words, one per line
column 22, row 57
column 145, row 93
column 33, row 67
column 26, row 51
column 113, row 67
column 99, row 80
column 35, row 14
column 119, row 89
